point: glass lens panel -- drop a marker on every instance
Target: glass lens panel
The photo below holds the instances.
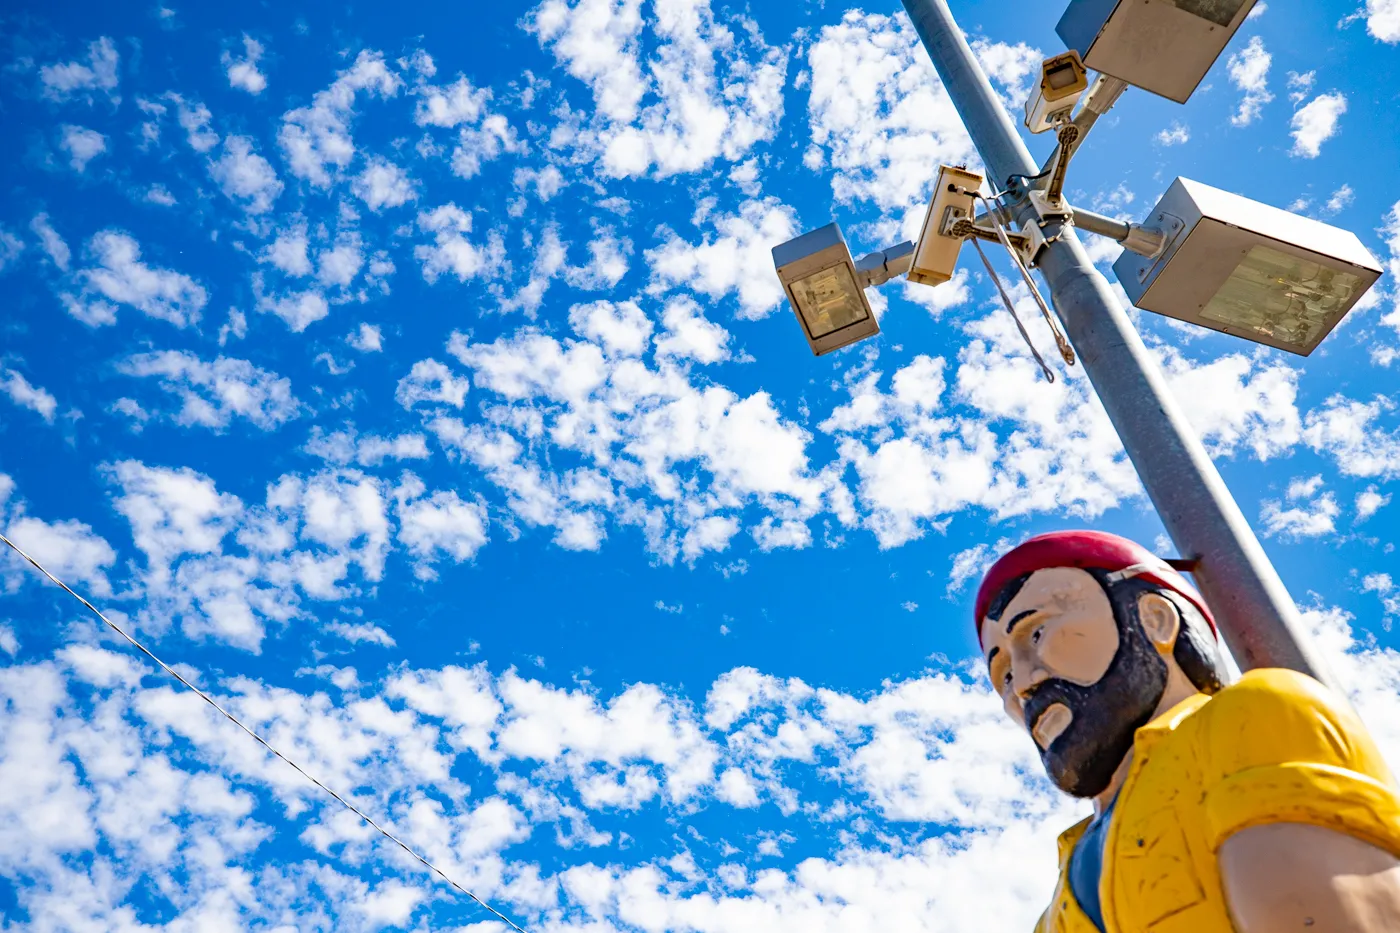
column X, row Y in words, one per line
column 1221, row 12
column 829, row 300
column 1285, row 298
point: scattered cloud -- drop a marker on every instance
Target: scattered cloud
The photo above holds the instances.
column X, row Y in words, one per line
column 1175, row 135
column 1316, row 122
column 246, row 177
column 1383, row 20
column 707, row 92
column 383, row 184
column 82, row 145
column 737, row 260
column 84, row 78
column 1249, row 72
column 1369, row 502
column 118, row 277
column 316, row 139
column 1305, row 511
column 25, row 395
column 243, row 73
column 213, row 393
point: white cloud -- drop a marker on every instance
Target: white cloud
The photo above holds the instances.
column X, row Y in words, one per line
column 118, row 276
column 1347, row 430
column 367, row 338
column 212, row 394
column 11, row 247
column 243, row 73
column 451, row 251
column 1257, row 11
column 690, row 335
column 289, row 252
column 82, row 145
column 1299, row 84
column 1306, row 512
column 53, row 245
column 383, row 184
column 1174, row 135
column 1369, row 502
column 316, row 139
column 431, row 381
column 460, row 102
column 299, row 310
column 246, row 176
column 194, row 118
column 69, row 549
column 971, row 563
column 1316, row 122
column 346, row 447
column 707, row 92
column 621, row 329
column 1383, row 20
column 441, row 525
column 739, row 260
column 879, row 116
column 1236, row 402
column 71, row 79
column 25, row 395
column 643, row 445
column 1340, row 200
column 1249, row 72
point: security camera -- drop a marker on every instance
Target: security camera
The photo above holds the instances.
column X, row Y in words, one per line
column 936, row 255
column 1063, row 80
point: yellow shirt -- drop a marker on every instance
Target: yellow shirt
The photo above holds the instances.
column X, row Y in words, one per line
column 1277, row 747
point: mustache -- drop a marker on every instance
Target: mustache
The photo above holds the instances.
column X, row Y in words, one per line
column 1049, row 692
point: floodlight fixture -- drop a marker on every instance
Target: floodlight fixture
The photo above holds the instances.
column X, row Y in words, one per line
column 1247, row 269
column 825, row 289
column 1162, row 46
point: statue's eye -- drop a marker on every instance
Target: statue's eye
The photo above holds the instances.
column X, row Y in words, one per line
column 1036, row 636
column 1006, row 678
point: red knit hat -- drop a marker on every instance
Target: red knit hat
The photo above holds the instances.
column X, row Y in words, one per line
column 1096, row 550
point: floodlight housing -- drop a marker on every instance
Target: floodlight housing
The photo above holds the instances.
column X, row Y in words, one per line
column 824, row 289
column 1248, row 269
column 1162, row 46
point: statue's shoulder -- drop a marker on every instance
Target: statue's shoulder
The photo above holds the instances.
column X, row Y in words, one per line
column 1273, row 715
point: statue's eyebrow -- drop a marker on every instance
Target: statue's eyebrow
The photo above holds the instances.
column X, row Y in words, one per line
column 1018, row 617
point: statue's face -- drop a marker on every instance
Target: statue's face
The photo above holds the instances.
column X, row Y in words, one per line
column 1078, row 678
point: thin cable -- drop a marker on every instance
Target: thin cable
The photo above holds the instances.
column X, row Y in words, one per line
column 1006, row 299
column 994, row 211
column 260, row 740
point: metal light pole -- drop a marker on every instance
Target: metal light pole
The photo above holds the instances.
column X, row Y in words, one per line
column 1258, row 619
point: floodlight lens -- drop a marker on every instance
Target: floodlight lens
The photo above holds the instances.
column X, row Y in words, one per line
column 829, row 300
column 1289, row 299
column 1220, row 12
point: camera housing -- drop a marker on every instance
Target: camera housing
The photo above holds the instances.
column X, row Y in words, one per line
column 1063, row 80
column 936, row 255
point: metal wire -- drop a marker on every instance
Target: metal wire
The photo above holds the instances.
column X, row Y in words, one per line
column 1006, row 299
column 260, row 740
column 994, row 212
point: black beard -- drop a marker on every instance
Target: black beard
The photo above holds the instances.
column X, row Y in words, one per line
column 1082, row 759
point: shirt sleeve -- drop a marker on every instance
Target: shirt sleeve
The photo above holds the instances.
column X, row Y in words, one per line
column 1278, row 747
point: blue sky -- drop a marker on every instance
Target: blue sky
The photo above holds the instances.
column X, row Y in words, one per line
column 417, row 375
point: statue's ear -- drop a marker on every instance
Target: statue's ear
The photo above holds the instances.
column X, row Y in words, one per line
column 1160, row 619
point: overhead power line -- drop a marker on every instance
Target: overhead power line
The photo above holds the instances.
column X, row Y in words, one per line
column 262, row 741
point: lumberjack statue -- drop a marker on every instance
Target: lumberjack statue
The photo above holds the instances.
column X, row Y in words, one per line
column 1258, row 807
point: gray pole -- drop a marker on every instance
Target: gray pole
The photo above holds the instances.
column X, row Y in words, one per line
column 1257, row 618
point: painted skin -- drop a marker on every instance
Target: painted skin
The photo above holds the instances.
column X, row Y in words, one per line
column 1276, row 876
